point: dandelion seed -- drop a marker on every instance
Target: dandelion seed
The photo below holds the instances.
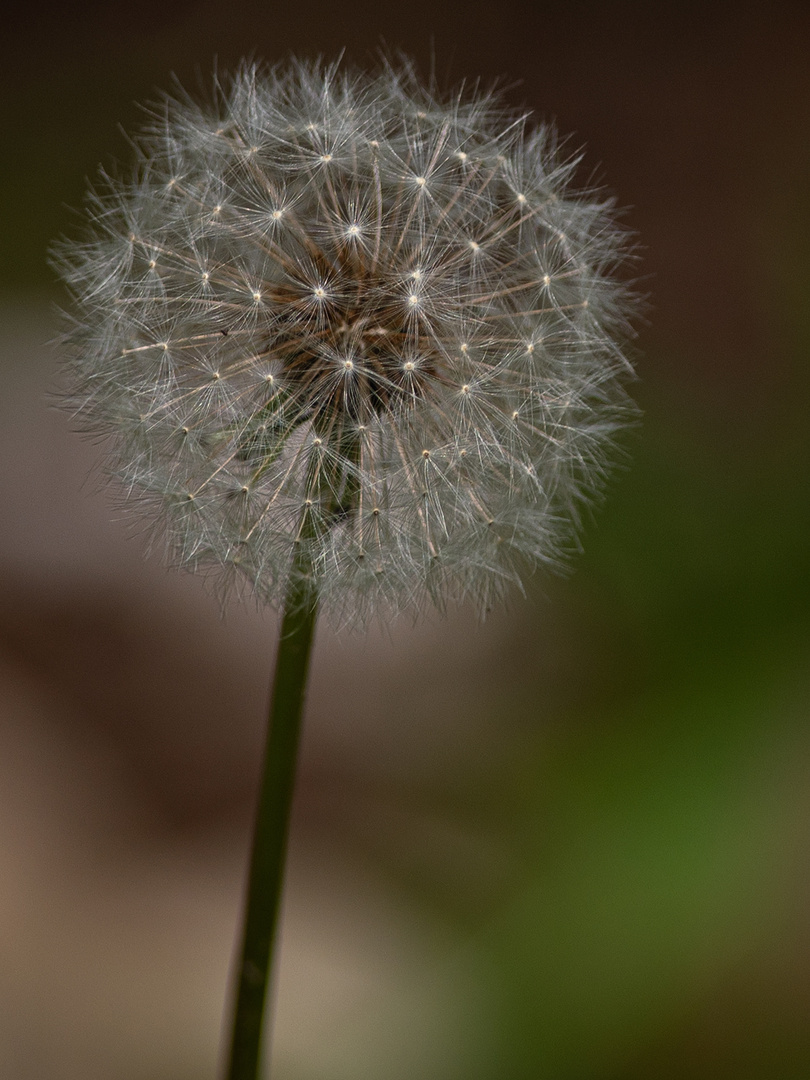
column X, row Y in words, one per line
column 366, row 372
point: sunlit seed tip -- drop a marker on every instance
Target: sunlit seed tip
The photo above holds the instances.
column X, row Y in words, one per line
column 376, row 511
column 465, row 348
column 546, row 279
column 474, row 246
column 409, row 366
column 326, row 158
column 420, row 181
column 317, row 442
column 152, row 264
column 348, row 365
column 353, row 230
column 465, row 388
column 165, row 346
column 425, row 453
column 205, row 276
column 320, row 292
column 276, row 214
column 461, row 155
column 521, row 198
column 257, row 296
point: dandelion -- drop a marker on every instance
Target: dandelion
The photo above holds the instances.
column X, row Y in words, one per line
column 360, row 344
column 339, row 327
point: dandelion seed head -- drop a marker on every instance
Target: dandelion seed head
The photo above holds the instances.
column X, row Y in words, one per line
column 352, row 384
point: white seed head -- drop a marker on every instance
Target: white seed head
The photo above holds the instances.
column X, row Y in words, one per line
column 408, row 438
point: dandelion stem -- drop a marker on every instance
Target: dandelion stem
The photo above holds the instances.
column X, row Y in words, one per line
column 272, row 819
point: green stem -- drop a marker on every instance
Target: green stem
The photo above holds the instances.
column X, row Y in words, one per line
column 270, row 837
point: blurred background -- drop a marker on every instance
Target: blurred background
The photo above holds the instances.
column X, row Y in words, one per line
column 570, row 843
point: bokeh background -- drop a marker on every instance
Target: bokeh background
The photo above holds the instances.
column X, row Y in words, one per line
column 572, row 843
